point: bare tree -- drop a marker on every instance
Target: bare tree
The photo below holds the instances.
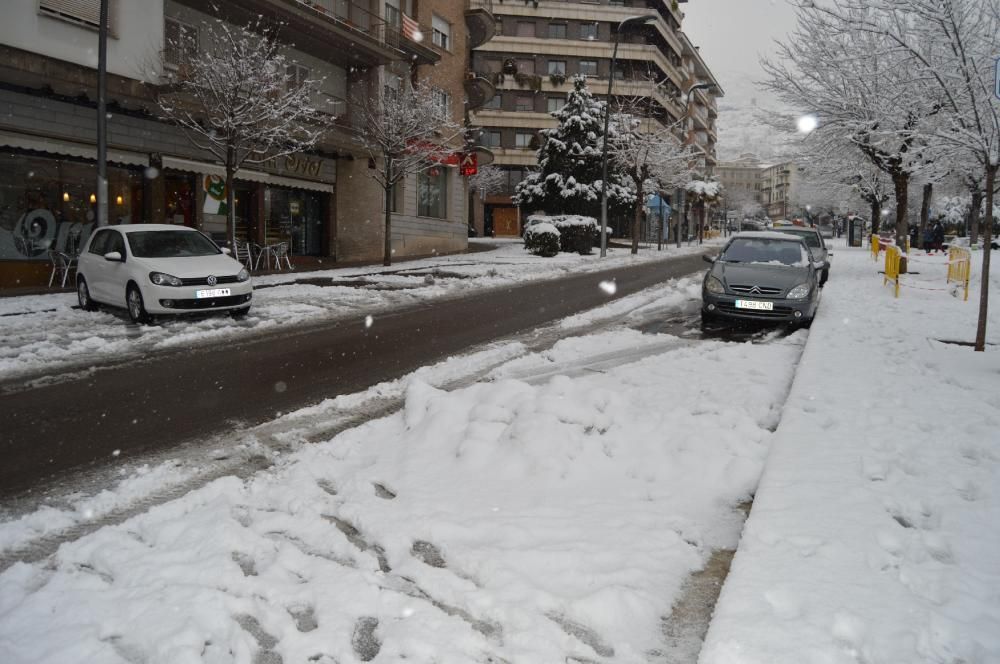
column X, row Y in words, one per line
column 701, row 192
column 488, row 180
column 405, row 130
column 236, row 101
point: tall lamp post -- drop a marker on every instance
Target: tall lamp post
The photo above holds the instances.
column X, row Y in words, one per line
column 687, row 117
column 102, row 116
column 630, row 22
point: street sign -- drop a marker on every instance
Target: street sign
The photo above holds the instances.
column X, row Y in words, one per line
column 470, row 164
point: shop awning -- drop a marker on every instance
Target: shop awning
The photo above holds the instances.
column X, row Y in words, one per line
column 205, row 168
column 69, row 148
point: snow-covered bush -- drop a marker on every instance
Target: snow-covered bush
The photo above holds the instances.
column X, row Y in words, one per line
column 542, row 239
column 576, row 232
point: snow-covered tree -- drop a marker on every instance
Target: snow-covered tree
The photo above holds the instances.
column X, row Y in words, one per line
column 857, row 85
column 647, row 151
column 488, row 180
column 405, row 130
column 948, row 47
column 568, row 179
column 701, row 192
column 237, row 101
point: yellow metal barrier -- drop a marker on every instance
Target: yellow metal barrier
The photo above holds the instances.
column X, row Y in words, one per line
column 875, row 249
column 892, row 256
column 959, row 264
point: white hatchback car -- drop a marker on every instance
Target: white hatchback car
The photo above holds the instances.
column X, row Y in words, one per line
column 160, row 269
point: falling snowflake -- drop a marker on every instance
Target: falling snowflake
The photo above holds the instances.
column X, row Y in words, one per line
column 368, row 321
column 118, row 452
column 280, row 386
column 609, row 287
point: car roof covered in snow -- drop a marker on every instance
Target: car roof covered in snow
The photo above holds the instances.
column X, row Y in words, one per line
column 767, row 235
column 134, row 228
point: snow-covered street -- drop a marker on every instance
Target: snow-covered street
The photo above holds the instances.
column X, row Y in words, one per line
column 48, row 333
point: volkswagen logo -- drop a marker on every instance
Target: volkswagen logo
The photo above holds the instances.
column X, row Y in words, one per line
column 212, row 280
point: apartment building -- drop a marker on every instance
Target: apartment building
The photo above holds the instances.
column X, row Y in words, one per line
column 740, row 180
column 702, row 107
column 778, row 184
column 540, row 45
column 321, row 202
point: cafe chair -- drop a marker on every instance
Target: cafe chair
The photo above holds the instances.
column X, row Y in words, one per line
column 62, row 265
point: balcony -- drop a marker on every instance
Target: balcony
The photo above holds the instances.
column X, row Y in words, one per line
column 480, row 21
column 339, row 31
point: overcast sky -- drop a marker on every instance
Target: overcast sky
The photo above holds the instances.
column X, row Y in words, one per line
column 733, row 34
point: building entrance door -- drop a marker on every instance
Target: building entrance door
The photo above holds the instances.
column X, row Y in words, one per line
column 505, row 222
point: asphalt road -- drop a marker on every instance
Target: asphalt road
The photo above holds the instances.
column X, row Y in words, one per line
column 166, row 399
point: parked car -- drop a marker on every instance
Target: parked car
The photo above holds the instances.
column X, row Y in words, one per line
column 154, row 269
column 817, row 245
column 826, row 231
column 762, row 276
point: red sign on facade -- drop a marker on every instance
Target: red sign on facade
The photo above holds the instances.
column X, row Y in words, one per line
column 469, row 164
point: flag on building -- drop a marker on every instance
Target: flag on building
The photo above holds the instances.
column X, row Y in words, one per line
column 411, row 29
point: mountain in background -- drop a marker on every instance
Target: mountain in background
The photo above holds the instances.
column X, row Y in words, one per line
column 739, row 126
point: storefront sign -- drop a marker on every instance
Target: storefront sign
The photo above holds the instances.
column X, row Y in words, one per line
column 215, row 194
column 470, row 164
column 302, row 165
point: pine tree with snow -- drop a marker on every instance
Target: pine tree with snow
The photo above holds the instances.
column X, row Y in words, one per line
column 568, row 179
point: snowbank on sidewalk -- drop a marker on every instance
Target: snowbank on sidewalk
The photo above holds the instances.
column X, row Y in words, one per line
column 873, row 536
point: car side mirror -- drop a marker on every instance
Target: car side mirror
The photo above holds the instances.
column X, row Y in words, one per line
column 114, row 257
column 707, row 259
column 227, row 251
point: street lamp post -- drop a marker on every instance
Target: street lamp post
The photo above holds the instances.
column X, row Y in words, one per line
column 630, row 22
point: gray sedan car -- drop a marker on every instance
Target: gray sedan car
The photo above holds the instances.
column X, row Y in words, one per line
column 763, row 277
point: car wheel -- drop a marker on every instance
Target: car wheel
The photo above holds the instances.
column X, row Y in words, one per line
column 240, row 313
column 136, row 307
column 83, row 295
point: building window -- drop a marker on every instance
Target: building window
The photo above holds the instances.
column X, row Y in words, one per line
column 526, row 66
column 296, row 76
column 525, row 103
column 525, row 29
column 443, row 101
column 494, row 102
column 441, row 32
column 396, row 196
column 557, row 31
column 82, row 12
column 523, row 139
column 588, row 31
column 432, row 193
column 180, row 41
column 557, row 67
column 490, row 139
column 553, row 104
column 588, row 67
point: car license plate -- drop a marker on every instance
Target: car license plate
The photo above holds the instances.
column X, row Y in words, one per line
column 212, row 292
column 754, row 304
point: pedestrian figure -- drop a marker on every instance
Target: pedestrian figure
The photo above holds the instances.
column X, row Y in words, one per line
column 938, row 236
column 928, row 239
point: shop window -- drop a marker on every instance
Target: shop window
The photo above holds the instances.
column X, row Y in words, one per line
column 180, row 42
column 296, row 217
column 432, row 193
column 588, row 67
column 441, row 32
column 48, row 203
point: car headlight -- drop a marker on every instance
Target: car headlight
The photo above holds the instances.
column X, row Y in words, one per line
column 243, row 275
column 799, row 292
column 163, row 279
column 713, row 285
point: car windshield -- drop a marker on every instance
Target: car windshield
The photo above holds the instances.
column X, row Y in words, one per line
column 809, row 235
column 766, row 251
column 170, row 244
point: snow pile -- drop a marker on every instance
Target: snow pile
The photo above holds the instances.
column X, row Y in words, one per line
column 541, row 228
column 530, row 519
column 563, row 220
column 873, row 534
